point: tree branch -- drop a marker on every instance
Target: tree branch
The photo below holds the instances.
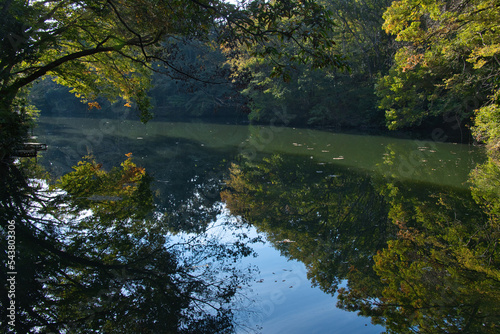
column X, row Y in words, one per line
column 56, row 63
column 128, row 27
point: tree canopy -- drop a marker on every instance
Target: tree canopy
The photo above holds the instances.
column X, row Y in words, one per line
column 340, row 96
column 109, row 48
column 447, row 64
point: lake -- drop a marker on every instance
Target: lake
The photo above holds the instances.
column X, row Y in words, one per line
column 350, row 233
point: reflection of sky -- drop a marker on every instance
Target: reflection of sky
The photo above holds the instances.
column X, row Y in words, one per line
column 286, row 302
column 281, row 299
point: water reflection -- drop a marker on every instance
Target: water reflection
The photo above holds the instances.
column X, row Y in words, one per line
column 441, row 272
column 93, row 256
column 331, row 221
column 388, row 226
column 416, row 257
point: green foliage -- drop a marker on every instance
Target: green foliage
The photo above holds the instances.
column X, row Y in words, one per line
column 110, row 48
column 485, row 186
column 328, row 97
column 447, row 63
column 404, row 94
column 275, row 26
column 487, row 128
column 211, row 94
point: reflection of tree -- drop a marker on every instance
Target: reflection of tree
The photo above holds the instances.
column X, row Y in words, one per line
column 333, row 221
column 485, row 179
column 186, row 178
column 189, row 188
column 441, row 274
column 91, row 257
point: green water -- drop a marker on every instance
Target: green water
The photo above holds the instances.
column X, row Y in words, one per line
column 325, row 204
column 158, row 142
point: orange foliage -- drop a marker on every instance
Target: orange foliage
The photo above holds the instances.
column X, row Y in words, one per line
column 412, row 61
column 94, row 105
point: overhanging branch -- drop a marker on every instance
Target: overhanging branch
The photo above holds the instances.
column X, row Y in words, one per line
column 56, row 63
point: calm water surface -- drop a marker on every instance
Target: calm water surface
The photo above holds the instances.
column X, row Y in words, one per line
column 324, row 204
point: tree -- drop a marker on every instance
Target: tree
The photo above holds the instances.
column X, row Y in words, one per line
column 109, row 48
column 330, row 96
column 447, row 64
column 211, row 95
